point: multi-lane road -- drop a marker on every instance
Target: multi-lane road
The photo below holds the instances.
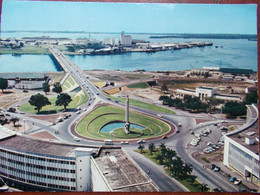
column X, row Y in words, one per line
column 177, row 142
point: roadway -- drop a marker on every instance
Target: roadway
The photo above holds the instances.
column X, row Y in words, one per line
column 177, row 142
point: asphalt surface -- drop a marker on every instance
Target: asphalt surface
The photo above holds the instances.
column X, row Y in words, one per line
column 177, row 142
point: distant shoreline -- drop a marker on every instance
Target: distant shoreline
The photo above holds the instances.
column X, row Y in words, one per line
column 156, row 35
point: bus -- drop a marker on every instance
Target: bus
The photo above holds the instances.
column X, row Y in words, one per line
column 108, row 142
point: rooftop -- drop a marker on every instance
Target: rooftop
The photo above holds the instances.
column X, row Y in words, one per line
column 252, row 133
column 114, row 163
column 22, row 75
column 30, row 145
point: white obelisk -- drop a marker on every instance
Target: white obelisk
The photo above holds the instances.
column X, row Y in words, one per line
column 127, row 124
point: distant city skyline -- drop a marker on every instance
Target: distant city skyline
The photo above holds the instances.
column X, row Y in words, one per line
column 128, row 17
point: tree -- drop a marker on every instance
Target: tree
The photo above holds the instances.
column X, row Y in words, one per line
column 63, row 100
column 141, row 148
column 3, row 84
column 39, row 101
column 151, row 148
column 57, row 88
column 163, row 149
column 251, row 98
column 14, row 120
column 164, row 87
column 160, row 157
column 234, row 109
column 46, row 88
column 206, row 75
column 187, row 169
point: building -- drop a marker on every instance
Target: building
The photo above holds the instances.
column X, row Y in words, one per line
column 241, row 149
column 36, row 165
column 205, row 92
column 126, row 40
column 24, row 80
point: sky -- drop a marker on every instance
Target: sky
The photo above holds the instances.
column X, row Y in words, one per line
column 128, row 17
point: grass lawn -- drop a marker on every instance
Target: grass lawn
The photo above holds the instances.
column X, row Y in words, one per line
column 94, row 121
column 142, row 85
column 141, row 104
column 77, row 100
column 30, row 49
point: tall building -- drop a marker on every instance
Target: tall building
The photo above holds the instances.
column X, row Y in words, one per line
column 126, row 40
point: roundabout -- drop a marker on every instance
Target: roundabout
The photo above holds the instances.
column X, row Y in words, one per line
column 107, row 122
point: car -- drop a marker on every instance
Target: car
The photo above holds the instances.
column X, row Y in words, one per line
column 53, row 123
column 242, row 190
column 124, row 142
column 237, row 181
column 212, row 166
column 232, row 179
column 179, row 124
column 191, row 132
column 84, row 109
column 217, row 169
column 141, row 141
column 78, row 112
column 77, row 139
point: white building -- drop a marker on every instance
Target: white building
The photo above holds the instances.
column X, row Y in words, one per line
column 205, row 92
column 241, row 150
column 126, row 40
column 29, row 85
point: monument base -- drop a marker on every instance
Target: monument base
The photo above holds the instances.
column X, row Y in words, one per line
column 127, row 128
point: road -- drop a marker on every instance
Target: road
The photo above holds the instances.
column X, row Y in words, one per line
column 177, row 142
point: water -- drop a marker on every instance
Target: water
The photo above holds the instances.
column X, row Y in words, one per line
column 111, row 126
column 231, row 53
column 26, row 63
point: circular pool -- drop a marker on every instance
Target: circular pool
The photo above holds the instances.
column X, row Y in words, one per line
column 115, row 125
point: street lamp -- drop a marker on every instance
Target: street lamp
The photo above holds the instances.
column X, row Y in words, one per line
column 24, row 125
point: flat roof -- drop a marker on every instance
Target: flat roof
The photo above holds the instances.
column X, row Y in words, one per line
column 36, row 146
column 240, row 138
column 22, row 75
column 121, row 173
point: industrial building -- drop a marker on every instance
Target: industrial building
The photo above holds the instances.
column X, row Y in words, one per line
column 36, row 165
column 24, row 80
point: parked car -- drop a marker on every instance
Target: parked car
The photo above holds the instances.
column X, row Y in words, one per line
column 212, row 166
column 237, row 182
column 232, row 179
column 217, row 169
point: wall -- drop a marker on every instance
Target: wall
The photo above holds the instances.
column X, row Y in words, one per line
column 99, row 183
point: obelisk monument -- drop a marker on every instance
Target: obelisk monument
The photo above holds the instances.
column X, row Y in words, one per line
column 127, row 124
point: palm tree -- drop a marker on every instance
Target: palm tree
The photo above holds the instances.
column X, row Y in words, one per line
column 160, row 157
column 163, row 149
column 151, row 148
column 170, row 154
column 187, row 169
column 141, row 148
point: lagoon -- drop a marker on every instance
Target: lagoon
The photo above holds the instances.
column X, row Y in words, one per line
column 225, row 53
